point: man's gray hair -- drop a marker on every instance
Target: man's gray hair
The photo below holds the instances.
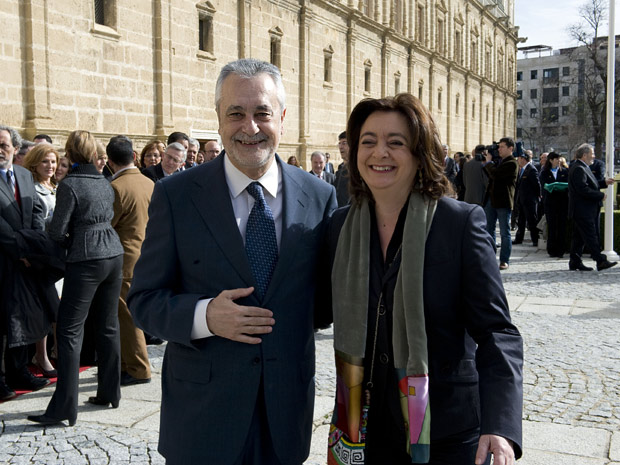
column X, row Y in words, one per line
column 316, row 154
column 26, row 144
column 582, row 150
column 248, row 68
column 193, row 141
column 177, row 146
column 16, row 139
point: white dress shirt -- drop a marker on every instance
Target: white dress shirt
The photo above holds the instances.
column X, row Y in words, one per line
column 242, row 203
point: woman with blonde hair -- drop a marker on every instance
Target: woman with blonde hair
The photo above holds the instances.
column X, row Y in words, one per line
column 81, row 224
column 42, row 161
column 421, row 320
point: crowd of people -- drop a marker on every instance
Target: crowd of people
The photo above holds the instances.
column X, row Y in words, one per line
column 274, row 259
column 544, row 198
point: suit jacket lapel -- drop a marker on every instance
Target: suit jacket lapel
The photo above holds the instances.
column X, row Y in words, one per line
column 6, row 191
column 218, row 216
column 294, row 204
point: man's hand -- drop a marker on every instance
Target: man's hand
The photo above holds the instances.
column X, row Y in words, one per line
column 489, row 157
column 236, row 322
column 25, row 262
column 609, row 181
column 501, row 448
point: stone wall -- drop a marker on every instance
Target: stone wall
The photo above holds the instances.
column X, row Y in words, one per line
column 141, row 73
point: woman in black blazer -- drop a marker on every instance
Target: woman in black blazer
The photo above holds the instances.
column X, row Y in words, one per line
column 421, row 321
column 81, row 223
column 555, row 205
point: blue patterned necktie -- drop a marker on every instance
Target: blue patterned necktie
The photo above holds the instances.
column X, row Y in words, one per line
column 260, row 240
column 9, row 181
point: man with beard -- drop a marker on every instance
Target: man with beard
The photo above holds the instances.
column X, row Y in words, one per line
column 237, row 383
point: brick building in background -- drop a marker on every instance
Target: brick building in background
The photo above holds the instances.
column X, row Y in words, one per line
column 145, row 69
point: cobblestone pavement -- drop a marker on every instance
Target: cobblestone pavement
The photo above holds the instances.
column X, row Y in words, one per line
column 570, row 322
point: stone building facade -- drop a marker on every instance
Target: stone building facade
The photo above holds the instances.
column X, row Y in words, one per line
column 145, row 69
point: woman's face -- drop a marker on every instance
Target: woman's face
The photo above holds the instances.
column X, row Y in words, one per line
column 47, row 167
column 200, row 158
column 62, row 169
column 100, row 163
column 555, row 162
column 384, row 160
column 151, row 157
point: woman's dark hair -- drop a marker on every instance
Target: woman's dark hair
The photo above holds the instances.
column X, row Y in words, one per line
column 551, row 156
column 147, row 148
column 425, row 146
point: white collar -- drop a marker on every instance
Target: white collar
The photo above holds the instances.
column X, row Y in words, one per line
column 238, row 181
column 123, row 169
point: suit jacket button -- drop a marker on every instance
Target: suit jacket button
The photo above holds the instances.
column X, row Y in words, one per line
column 383, row 358
column 256, row 361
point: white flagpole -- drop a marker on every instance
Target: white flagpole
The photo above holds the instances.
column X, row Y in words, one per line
column 609, row 143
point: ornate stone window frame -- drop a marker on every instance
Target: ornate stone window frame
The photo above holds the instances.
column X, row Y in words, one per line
column 206, row 13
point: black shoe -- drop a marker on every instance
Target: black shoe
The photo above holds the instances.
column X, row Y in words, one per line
column 97, row 401
column 28, row 382
column 517, row 242
column 6, row 393
column 600, row 266
column 128, row 380
column 579, row 267
column 45, row 420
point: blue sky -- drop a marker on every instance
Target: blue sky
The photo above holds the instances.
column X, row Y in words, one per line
column 545, row 21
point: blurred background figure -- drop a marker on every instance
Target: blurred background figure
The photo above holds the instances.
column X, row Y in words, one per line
column 151, row 154
column 554, row 182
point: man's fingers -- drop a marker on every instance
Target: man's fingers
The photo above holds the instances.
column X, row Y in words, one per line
column 482, row 452
column 234, row 294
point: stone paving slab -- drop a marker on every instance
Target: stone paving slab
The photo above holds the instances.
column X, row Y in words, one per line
column 565, row 439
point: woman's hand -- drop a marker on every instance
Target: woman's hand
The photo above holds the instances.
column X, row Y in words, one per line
column 501, row 448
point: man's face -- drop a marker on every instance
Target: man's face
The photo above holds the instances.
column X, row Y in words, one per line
column 446, row 150
column 522, row 162
column 588, row 158
column 318, row 164
column 250, row 120
column 212, row 150
column 504, row 150
column 192, row 152
column 172, row 160
column 343, row 147
column 7, row 150
column 543, row 158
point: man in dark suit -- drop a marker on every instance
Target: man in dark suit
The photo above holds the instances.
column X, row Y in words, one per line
column 527, row 197
column 329, row 166
column 501, row 191
column 342, row 175
column 449, row 165
column 170, row 163
column 237, row 303
column 318, row 168
column 19, row 210
column 584, row 205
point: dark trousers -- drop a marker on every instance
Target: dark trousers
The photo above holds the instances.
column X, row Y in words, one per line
column 459, row 449
column 90, row 287
column 15, row 361
column 258, row 449
column 556, row 230
column 527, row 216
column 585, row 232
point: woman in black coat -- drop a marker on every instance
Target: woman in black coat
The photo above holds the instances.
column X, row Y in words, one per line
column 555, row 205
column 81, row 223
column 407, row 342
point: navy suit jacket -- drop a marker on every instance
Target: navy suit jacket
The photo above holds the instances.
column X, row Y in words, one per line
column 528, row 186
column 155, row 173
column 584, row 192
column 210, row 386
